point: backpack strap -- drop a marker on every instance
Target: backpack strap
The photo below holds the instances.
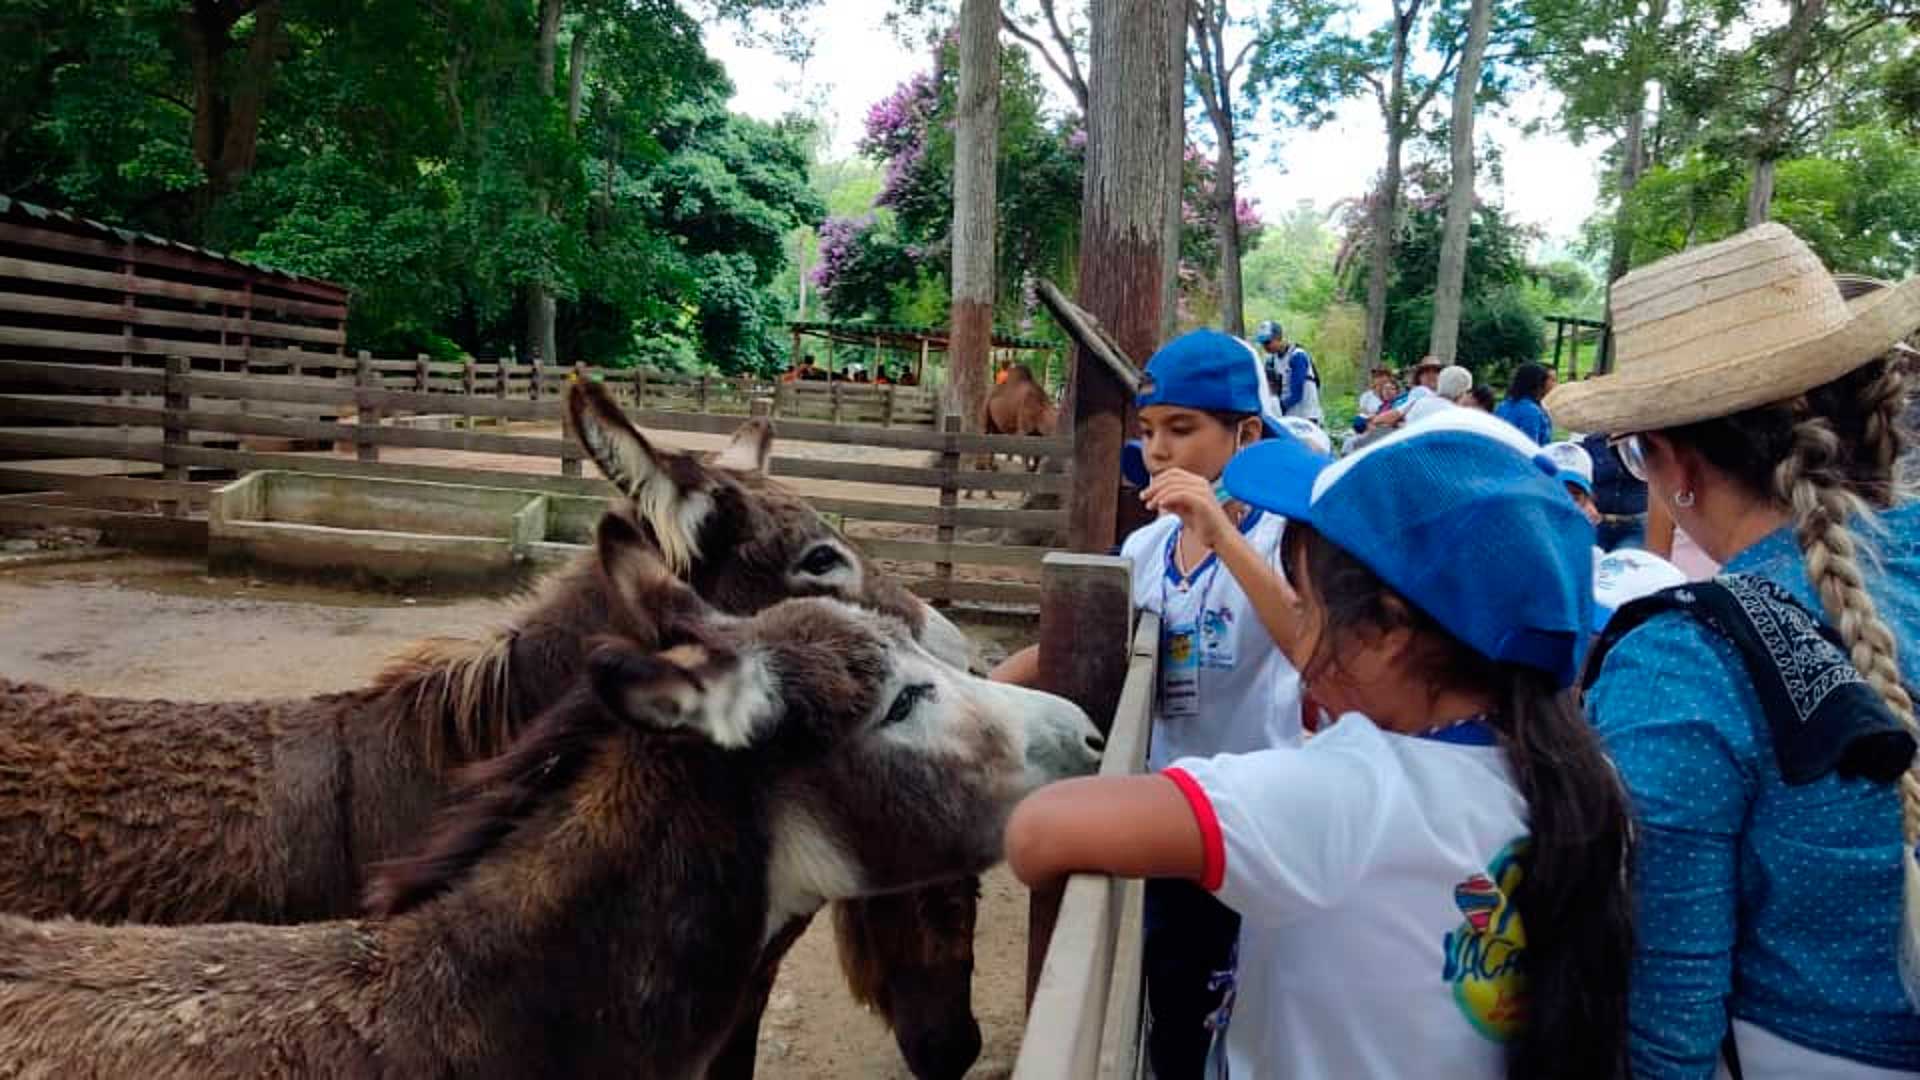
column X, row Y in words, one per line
column 1823, row 715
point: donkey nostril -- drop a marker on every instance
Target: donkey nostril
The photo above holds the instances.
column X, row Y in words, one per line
column 1096, row 743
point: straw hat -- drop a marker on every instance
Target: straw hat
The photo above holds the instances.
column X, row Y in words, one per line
column 1719, row 329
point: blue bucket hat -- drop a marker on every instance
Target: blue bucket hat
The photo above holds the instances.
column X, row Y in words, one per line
column 1461, row 515
column 1202, row 369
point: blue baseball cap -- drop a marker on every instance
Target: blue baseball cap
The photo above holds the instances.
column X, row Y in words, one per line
column 1575, row 465
column 1202, row 369
column 1461, row 515
column 1623, row 576
column 1206, row 369
column 1266, row 332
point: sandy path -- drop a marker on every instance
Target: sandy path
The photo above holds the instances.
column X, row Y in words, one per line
column 150, row 627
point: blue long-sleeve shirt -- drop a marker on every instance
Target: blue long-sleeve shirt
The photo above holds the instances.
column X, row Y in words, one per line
column 1299, row 367
column 1778, row 905
column 1527, row 415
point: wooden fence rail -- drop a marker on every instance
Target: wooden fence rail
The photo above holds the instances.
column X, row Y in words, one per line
column 1084, row 1019
column 181, row 419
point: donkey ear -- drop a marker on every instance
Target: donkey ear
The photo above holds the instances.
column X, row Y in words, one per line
column 666, row 489
column 732, row 701
column 637, row 571
column 752, row 445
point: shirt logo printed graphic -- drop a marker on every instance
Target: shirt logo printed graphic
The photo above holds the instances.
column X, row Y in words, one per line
column 1486, row 954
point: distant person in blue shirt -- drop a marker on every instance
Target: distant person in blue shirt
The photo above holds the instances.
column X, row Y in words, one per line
column 1777, row 888
column 1290, row 373
column 1522, row 408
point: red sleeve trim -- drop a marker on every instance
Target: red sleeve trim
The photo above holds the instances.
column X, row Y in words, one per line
column 1213, row 864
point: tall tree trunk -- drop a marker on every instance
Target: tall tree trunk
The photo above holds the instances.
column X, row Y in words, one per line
column 1386, row 213
column 1632, row 164
column 1386, row 206
column 227, row 111
column 976, row 135
column 576, row 78
column 1129, row 180
column 1633, row 159
column 1803, row 16
column 542, row 311
column 1177, row 148
column 1445, row 338
column 1226, row 208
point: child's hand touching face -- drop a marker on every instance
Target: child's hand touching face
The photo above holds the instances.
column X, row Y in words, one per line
column 1193, row 500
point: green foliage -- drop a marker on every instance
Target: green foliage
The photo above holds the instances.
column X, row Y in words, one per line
column 889, row 259
column 410, row 152
column 1853, row 201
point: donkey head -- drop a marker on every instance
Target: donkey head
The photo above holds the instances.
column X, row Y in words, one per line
column 884, row 767
column 742, row 540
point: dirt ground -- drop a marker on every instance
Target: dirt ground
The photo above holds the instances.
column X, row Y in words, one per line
column 152, row 627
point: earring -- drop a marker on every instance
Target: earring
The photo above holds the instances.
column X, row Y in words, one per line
column 1683, row 499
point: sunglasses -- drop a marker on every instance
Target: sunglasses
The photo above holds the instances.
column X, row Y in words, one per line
column 1632, row 454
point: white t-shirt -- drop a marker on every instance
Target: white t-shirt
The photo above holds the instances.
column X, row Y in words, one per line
column 1225, row 687
column 1372, row 873
column 1420, row 406
column 1766, row 1056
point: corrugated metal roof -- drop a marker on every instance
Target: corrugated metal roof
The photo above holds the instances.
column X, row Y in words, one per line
column 11, row 207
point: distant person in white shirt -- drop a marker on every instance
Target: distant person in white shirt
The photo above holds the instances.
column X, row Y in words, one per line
column 1434, row 886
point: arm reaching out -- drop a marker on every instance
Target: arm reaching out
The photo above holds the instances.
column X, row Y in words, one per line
column 1128, row 826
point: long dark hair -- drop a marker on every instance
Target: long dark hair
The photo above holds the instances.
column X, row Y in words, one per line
column 1574, row 897
column 1529, row 382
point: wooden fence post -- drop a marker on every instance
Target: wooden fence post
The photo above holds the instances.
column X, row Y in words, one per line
column 538, row 383
column 422, row 374
column 470, row 386
column 174, row 428
column 949, row 499
column 700, row 396
column 368, row 428
column 500, row 387
column 886, row 406
column 570, row 452
column 639, row 388
column 1086, row 617
column 833, row 391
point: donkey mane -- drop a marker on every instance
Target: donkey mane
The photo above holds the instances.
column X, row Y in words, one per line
column 489, row 799
column 460, row 699
column 454, row 696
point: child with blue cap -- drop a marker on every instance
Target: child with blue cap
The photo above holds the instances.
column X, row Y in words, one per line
column 1435, row 884
column 1223, row 687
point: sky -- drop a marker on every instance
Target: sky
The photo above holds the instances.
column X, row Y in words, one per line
column 1548, row 181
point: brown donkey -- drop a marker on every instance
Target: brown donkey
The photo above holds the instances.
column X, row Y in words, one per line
column 268, row 811
column 593, row 901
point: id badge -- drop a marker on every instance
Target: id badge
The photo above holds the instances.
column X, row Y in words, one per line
column 1216, row 639
column 1180, row 673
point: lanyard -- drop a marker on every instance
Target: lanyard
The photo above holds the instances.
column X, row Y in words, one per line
column 1472, row 731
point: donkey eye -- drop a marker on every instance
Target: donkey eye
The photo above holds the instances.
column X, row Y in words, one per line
column 904, row 704
column 822, row 561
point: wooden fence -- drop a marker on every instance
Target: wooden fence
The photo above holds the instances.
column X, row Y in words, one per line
column 183, row 425
column 1085, row 1015
column 79, row 291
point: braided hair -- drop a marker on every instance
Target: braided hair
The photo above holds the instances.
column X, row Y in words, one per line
column 1829, row 457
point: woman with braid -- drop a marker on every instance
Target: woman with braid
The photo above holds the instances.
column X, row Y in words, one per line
column 1763, row 721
